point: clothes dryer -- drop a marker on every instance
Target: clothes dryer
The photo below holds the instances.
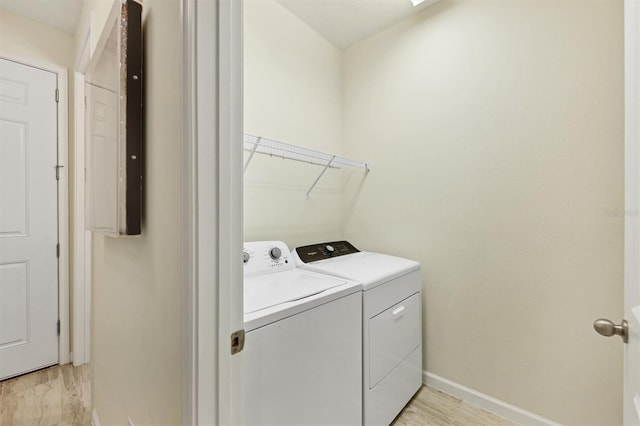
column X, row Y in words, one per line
column 392, row 321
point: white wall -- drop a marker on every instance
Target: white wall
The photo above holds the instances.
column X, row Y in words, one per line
column 293, row 94
column 136, row 298
column 495, row 133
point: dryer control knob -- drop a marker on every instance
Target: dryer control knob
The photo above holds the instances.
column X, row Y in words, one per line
column 245, row 257
column 275, row 253
column 330, row 248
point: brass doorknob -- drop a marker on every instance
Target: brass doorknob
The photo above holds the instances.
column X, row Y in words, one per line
column 607, row 328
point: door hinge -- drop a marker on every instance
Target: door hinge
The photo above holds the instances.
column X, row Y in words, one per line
column 57, row 95
column 237, row 341
column 58, row 327
column 58, row 250
column 58, row 171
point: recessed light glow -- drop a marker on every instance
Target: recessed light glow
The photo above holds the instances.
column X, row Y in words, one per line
column 416, row 2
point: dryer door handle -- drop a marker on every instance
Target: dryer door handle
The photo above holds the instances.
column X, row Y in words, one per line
column 397, row 313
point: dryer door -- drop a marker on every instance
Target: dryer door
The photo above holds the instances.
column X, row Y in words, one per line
column 393, row 334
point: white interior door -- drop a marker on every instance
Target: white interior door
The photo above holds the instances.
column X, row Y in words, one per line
column 28, row 219
column 632, row 217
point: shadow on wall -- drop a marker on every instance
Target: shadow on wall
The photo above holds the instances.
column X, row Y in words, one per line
column 353, row 182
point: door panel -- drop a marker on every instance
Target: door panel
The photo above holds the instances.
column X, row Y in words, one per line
column 13, row 170
column 28, row 219
column 102, row 158
column 13, row 91
column 14, row 290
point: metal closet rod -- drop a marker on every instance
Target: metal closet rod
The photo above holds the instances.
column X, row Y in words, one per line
column 283, row 150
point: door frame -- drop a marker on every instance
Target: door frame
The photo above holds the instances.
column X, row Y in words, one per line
column 82, row 239
column 63, row 193
column 212, row 209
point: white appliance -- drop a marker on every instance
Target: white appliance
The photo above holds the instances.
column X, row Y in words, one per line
column 392, row 321
column 302, row 356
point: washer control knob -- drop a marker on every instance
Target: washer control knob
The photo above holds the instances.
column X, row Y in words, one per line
column 275, row 253
column 245, row 257
column 330, row 248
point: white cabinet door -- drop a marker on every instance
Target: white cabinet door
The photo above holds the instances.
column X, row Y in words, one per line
column 28, row 219
column 101, row 160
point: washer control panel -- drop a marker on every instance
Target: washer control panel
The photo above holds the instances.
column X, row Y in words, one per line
column 323, row 251
column 266, row 257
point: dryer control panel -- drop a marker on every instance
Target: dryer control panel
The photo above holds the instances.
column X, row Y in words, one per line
column 323, row 251
column 266, row 257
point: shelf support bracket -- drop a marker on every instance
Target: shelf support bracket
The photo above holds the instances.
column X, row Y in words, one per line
column 253, row 151
column 321, row 173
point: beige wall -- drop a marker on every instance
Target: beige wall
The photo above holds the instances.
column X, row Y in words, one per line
column 292, row 93
column 495, row 133
column 30, row 39
column 136, row 312
column 93, row 15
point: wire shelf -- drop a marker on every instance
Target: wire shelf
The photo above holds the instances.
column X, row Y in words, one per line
column 273, row 148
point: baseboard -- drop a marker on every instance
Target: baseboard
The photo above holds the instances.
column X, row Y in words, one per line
column 94, row 419
column 486, row 402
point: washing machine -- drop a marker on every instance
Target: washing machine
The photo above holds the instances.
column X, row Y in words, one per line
column 391, row 321
column 302, row 356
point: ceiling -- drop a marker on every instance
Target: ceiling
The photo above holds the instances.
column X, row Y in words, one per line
column 344, row 22
column 61, row 14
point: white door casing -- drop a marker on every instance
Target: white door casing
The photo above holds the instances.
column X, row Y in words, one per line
column 230, row 199
column 82, row 238
column 632, row 216
column 28, row 219
column 212, row 214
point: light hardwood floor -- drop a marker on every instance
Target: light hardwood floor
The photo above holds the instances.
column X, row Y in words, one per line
column 434, row 408
column 61, row 396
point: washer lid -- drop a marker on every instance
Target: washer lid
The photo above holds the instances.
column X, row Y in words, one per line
column 370, row 269
column 265, row 291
